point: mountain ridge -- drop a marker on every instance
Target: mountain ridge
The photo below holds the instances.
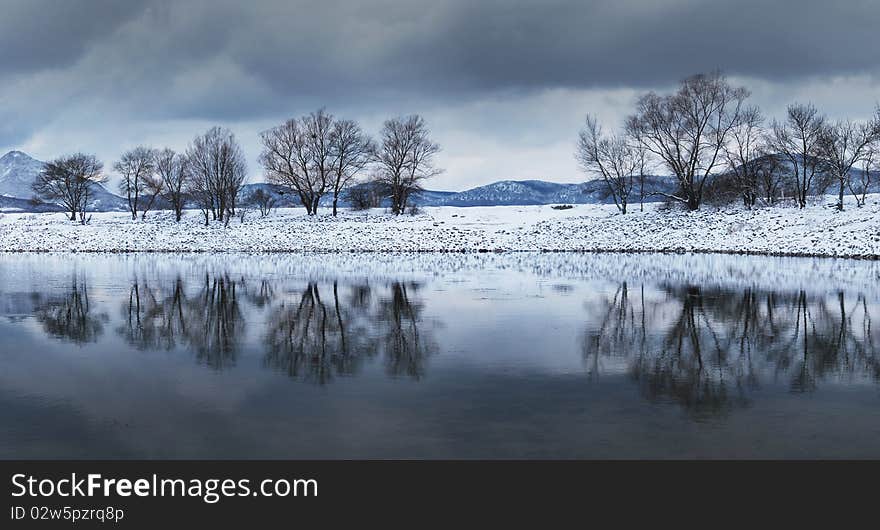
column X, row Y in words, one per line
column 18, row 170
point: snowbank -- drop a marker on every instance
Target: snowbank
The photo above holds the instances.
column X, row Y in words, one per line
column 816, row 231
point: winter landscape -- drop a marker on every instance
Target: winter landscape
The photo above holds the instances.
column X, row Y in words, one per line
column 815, row 231
column 450, row 235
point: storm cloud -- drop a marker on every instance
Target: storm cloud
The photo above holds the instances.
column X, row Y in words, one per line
column 504, row 84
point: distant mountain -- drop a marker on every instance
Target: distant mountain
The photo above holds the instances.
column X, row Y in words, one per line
column 525, row 192
column 12, row 204
column 516, row 192
column 17, row 174
column 284, row 198
column 506, row 192
column 18, row 171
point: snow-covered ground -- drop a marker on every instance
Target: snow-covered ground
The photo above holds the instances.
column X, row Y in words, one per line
column 818, row 231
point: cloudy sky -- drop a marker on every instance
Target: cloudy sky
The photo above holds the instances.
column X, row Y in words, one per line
column 504, row 84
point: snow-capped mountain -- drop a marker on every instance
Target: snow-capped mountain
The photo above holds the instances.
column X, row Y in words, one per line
column 18, row 171
column 17, row 174
column 527, row 192
column 505, row 192
column 511, row 192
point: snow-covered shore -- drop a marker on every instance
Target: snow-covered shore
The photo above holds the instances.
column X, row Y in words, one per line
column 816, row 231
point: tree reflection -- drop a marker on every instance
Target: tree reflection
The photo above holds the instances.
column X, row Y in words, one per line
column 322, row 334
column 316, row 332
column 708, row 349
column 209, row 321
column 70, row 316
column 306, row 338
column 406, row 350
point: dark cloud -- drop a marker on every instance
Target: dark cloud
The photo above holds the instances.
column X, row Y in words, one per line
column 231, row 60
column 385, row 48
column 40, row 34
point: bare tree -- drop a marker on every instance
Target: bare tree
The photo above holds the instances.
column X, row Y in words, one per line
column 365, row 195
column 264, row 202
column 844, row 144
column 136, row 167
column 743, row 154
column 797, row 139
column 351, row 151
column 68, row 180
column 642, row 153
column 613, row 157
column 218, row 168
column 687, row 130
column 153, row 187
column 297, row 155
column 769, row 170
column 172, row 170
column 405, row 158
column 869, row 165
column 199, row 189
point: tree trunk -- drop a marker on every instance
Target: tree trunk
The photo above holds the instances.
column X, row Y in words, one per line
column 840, row 196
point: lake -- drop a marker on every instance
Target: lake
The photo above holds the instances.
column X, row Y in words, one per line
column 521, row 355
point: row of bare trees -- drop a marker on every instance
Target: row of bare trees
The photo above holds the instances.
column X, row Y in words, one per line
column 319, row 154
column 711, row 141
column 210, row 174
column 311, row 156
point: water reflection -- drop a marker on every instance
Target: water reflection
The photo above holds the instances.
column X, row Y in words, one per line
column 69, row 316
column 317, row 339
column 208, row 321
column 406, row 350
column 315, row 332
column 709, row 349
column 437, row 356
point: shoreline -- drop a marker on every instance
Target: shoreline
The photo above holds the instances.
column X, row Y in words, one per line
column 856, row 257
column 815, row 232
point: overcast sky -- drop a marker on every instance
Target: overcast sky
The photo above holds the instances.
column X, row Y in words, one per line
column 503, row 84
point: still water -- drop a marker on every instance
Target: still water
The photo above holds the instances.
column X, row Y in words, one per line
column 438, row 356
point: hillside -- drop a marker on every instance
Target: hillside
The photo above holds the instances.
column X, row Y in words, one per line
column 18, row 171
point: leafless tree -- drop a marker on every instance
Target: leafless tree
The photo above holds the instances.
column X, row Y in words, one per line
column 843, row 145
column 642, row 153
column 136, row 168
column 68, row 180
column 218, row 169
column 613, row 157
column 869, row 164
column 687, row 130
column 264, row 202
column 172, row 170
column 769, row 171
column 351, row 151
column 153, row 187
column 798, row 140
column 199, row 189
column 297, row 155
column 365, row 195
column 743, row 154
column 405, row 158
